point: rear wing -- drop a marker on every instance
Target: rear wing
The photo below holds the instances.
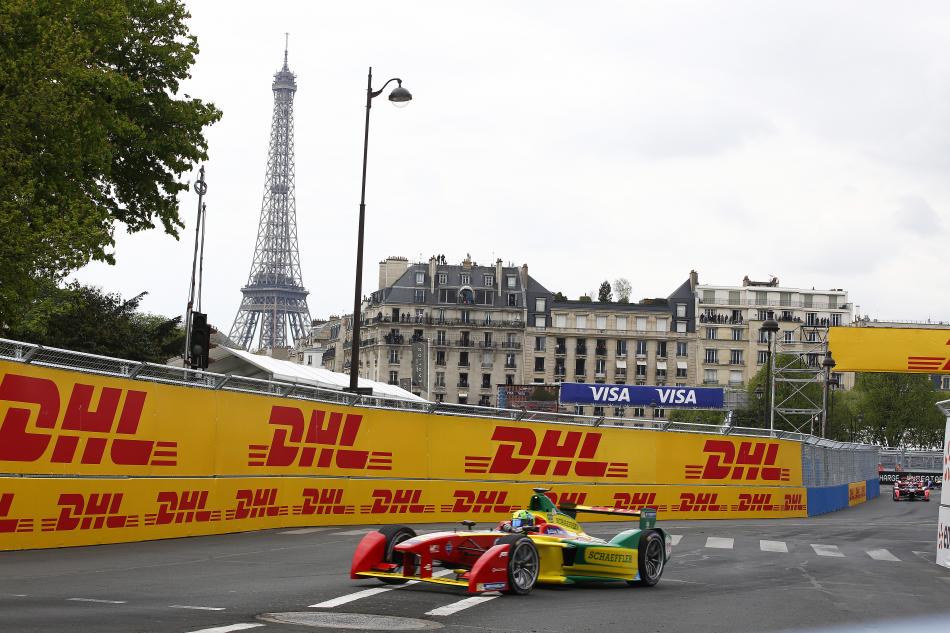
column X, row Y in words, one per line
column 647, row 515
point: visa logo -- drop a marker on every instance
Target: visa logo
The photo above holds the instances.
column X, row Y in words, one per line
column 669, row 395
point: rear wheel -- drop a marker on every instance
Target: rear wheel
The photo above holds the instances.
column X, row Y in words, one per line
column 395, row 534
column 650, row 558
column 524, row 564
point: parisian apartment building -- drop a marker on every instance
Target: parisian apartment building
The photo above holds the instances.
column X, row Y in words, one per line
column 489, row 325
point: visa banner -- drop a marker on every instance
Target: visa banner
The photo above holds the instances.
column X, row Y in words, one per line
column 628, row 395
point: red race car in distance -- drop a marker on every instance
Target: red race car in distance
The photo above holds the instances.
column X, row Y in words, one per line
column 910, row 489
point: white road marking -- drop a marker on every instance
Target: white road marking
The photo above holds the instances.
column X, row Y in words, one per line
column 97, row 600
column 241, row 626
column 773, row 546
column 719, row 543
column 353, row 533
column 928, row 556
column 366, row 593
column 304, row 530
column 465, row 603
column 827, row 550
column 188, row 606
column 676, row 538
column 882, row 554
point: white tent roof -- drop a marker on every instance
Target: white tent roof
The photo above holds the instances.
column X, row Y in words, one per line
column 288, row 371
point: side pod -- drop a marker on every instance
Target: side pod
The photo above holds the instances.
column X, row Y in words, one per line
column 490, row 572
column 369, row 553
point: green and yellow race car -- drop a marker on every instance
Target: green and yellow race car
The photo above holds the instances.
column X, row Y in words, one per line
column 542, row 543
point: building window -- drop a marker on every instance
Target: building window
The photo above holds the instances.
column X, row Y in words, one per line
column 601, row 322
column 762, row 357
column 463, row 379
column 621, row 349
column 488, row 281
column 763, row 336
column 945, row 383
column 660, row 373
column 463, row 359
column 681, row 310
column 463, row 399
column 681, row 371
column 539, row 320
column 835, row 319
column 661, row 349
column 580, row 321
column 512, row 300
column 682, row 349
column 578, row 410
column 466, row 278
column 712, row 355
column 736, row 334
column 394, row 377
column 419, row 296
column 618, row 412
column 711, row 333
column 681, row 327
column 439, row 379
column 540, row 342
column 709, row 296
column 510, row 361
column 484, row 401
column 394, row 356
column 440, row 397
column 735, row 377
column 579, row 369
column 659, row 414
column 509, row 379
column 641, row 370
column 621, row 323
column 448, row 295
column 560, row 320
column 789, row 336
column 641, row 348
column 539, row 305
column 600, row 367
column 440, row 357
column 599, row 412
column 662, row 325
column 443, row 279
column 641, row 324
column 735, row 357
column 539, row 363
column 486, row 381
column 638, row 412
column 711, row 377
column 512, row 281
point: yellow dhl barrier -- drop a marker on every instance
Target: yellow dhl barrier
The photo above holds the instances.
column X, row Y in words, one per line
column 857, row 493
column 68, row 423
column 47, row 512
column 905, row 350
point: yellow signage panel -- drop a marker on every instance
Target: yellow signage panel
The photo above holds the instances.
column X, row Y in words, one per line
column 857, row 493
column 890, row 349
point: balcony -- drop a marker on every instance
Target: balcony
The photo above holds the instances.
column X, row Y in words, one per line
column 463, row 363
column 511, row 366
column 485, row 385
column 464, row 343
column 560, row 350
column 462, row 385
column 580, row 350
column 440, row 363
column 487, row 365
column 560, row 373
column 440, row 342
column 600, row 351
column 510, row 345
column 394, row 339
column 580, row 377
column 600, row 374
column 486, row 344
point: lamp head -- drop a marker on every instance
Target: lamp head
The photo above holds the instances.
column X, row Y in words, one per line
column 828, row 362
column 400, row 97
column 770, row 326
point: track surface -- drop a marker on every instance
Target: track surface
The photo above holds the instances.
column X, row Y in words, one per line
column 730, row 576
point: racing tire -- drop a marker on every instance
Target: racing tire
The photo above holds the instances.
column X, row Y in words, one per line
column 524, row 563
column 395, row 534
column 651, row 558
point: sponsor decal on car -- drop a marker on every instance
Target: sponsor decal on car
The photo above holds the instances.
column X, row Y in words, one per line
column 612, row 557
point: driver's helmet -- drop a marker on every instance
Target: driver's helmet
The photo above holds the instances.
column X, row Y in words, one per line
column 522, row 519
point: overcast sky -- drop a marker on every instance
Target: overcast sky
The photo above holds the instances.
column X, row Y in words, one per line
column 592, row 141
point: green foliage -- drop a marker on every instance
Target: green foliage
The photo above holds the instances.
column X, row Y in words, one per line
column 85, row 319
column 622, row 289
column 91, row 133
column 899, row 409
column 604, row 294
column 558, row 296
column 697, row 417
column 585, row 299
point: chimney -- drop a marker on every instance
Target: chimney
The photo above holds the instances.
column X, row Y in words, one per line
column 524, row 277
column 498, row 280
column 693, row 279
column 433, row 266
column 391, row 269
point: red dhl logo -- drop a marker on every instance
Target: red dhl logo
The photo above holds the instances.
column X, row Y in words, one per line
column 12, row 525
column 565, row 496
column 297, row 443
column 754, row 460
column 756, row 502
column 399, row 501
column 480, row 501
column 569, row 452
column 637, row 501
column 256, row 503
column 700, row 502
column 928, row 363
column 187, row 506
column 325, row 501
column 79, row 424
column 100, row 510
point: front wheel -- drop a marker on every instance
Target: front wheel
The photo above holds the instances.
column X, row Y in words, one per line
column 650, row 558
column 524, row 563
column 395, row 534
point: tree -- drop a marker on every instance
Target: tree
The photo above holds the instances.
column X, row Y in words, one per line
column 92, row 134
column 584, row 299
column 603, row 295
column 622, row 289
column 86, row 319
column 559, row 297
column 899, row 409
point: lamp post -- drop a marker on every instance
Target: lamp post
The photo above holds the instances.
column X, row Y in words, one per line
column 770, row 327
column 399, row 97
column 828, row 363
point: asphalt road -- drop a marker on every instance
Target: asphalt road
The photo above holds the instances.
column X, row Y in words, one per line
column 730, row 576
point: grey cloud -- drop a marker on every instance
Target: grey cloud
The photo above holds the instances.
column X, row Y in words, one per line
column 915, row 215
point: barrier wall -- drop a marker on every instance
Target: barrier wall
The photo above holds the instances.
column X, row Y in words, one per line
column 90, row 459
column 825, row 499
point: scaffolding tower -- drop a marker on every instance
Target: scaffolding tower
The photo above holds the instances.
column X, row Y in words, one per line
column 798, row 379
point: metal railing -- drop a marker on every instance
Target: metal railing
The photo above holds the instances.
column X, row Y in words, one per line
column 32, row 354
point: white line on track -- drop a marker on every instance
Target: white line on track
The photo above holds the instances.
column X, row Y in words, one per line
column 366, row 593
column 352, row 533
column 305, row 530
column 882, row 554
column 241, row 626
column 455, row 607
column 827, row 550
column 188, row 606
column 97, row 600
column 717, row 542
column 773, row 546
column 676, row 538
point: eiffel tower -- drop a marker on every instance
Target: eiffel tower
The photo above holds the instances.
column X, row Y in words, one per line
column 274, row 295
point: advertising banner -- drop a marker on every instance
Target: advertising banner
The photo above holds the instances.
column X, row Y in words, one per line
column 943, row 536
column 629, row 395
column 890, row 349
column 420, row 364
column 888, row 477
column 857, row 493
column 38, row 512
column 946, row 455
column 68, row 423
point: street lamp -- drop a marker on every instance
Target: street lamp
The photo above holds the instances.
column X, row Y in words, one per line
column 770, row 327
column 828, row 363
column 399, row 97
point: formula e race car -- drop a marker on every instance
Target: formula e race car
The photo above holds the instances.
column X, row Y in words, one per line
column 540, row 544
column 908, row 489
